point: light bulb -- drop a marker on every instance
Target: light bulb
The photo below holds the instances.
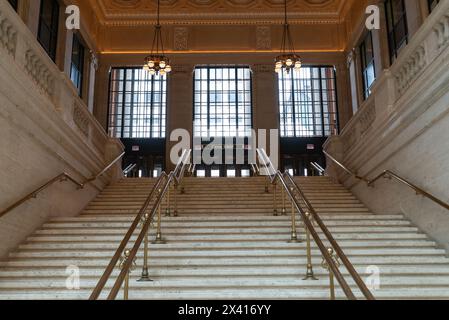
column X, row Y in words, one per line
column 152, row 72
column 289, row 62
column 168, row 68
column 298, row 65
column 278, row 64
column 162, row 72
column 151, row 64
column 162, row 64
column 146, row 68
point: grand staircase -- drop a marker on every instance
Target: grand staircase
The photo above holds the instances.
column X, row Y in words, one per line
column 226, row 243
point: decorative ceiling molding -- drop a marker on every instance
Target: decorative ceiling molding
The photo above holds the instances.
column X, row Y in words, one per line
column 129, row 13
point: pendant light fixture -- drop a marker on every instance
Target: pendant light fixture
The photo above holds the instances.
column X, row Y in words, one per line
column 157, row 63
column 288, row 59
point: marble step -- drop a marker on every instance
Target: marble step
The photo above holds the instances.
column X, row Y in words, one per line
column 223, row 238
column 186, row 272
column 228, row 224
column 232, row 294
column 205, row 262
column 234, row 253
column 228, row 246
column 238, row 284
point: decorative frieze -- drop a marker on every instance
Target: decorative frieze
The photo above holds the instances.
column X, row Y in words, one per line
column 39, row 72
column 409, row 70
column 181, row 39
column 350, row 139
column 80, row 118
column 350, row 58
column 263, row 38
column 8, row 36
column 442, row 32
column 367, row 117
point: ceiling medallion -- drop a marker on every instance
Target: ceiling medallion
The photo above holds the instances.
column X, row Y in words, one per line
column 157, row 63
column 288, row 59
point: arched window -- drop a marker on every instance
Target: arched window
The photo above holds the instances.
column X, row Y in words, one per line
column 308, row 103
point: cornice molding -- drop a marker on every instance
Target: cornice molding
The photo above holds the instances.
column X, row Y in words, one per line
column 121, row 13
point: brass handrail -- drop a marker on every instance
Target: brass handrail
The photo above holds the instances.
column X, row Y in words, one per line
column 129, row 168
column 356, row 277
column 61, row 178
column 318, row 168
column 161, row 188
column 274, row 176
column 389, row 174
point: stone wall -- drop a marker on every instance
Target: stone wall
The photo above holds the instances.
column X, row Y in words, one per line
column 404, row 127
column 45, row 129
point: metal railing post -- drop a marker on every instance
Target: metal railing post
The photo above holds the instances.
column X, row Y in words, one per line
column 294, row 235
column 309, row 273
column 159, row 239
column 326, row 266
column 284, row 209
column 145, row 274
column 275, row 200
column 167, row 209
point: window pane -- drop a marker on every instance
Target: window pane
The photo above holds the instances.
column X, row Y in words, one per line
column 396, row 26
column 368, row 64
column 142, row 111
column 48, row 26
column 77, row 66
column 307, row 98
column 222, row 102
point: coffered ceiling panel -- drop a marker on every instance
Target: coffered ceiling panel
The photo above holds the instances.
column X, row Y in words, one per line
column 143, row 12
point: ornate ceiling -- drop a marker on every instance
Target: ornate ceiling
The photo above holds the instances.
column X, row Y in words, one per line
column 142, row 12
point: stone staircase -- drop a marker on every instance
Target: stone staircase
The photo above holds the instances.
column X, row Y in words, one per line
column 225, row 244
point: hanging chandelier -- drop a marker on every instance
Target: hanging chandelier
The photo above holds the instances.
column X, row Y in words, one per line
column 157, row 63
column 288, row 59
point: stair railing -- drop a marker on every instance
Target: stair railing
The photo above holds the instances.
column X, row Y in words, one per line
column 308, row 215
column 59, row 178
column 125, row 258
column 390, row 175
column 129, row 168
column 318, row 168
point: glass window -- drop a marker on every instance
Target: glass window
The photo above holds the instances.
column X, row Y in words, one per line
column 137, row 104
column 396, row 27
column 222, row 102
column 368, row 65
column 48, row 26
column 77, row 66
column 245, row 173
column 230, row 173
column 215, row 173
column 432, row 4
column 201, row 173
column 14, row 4
column 308, row 102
